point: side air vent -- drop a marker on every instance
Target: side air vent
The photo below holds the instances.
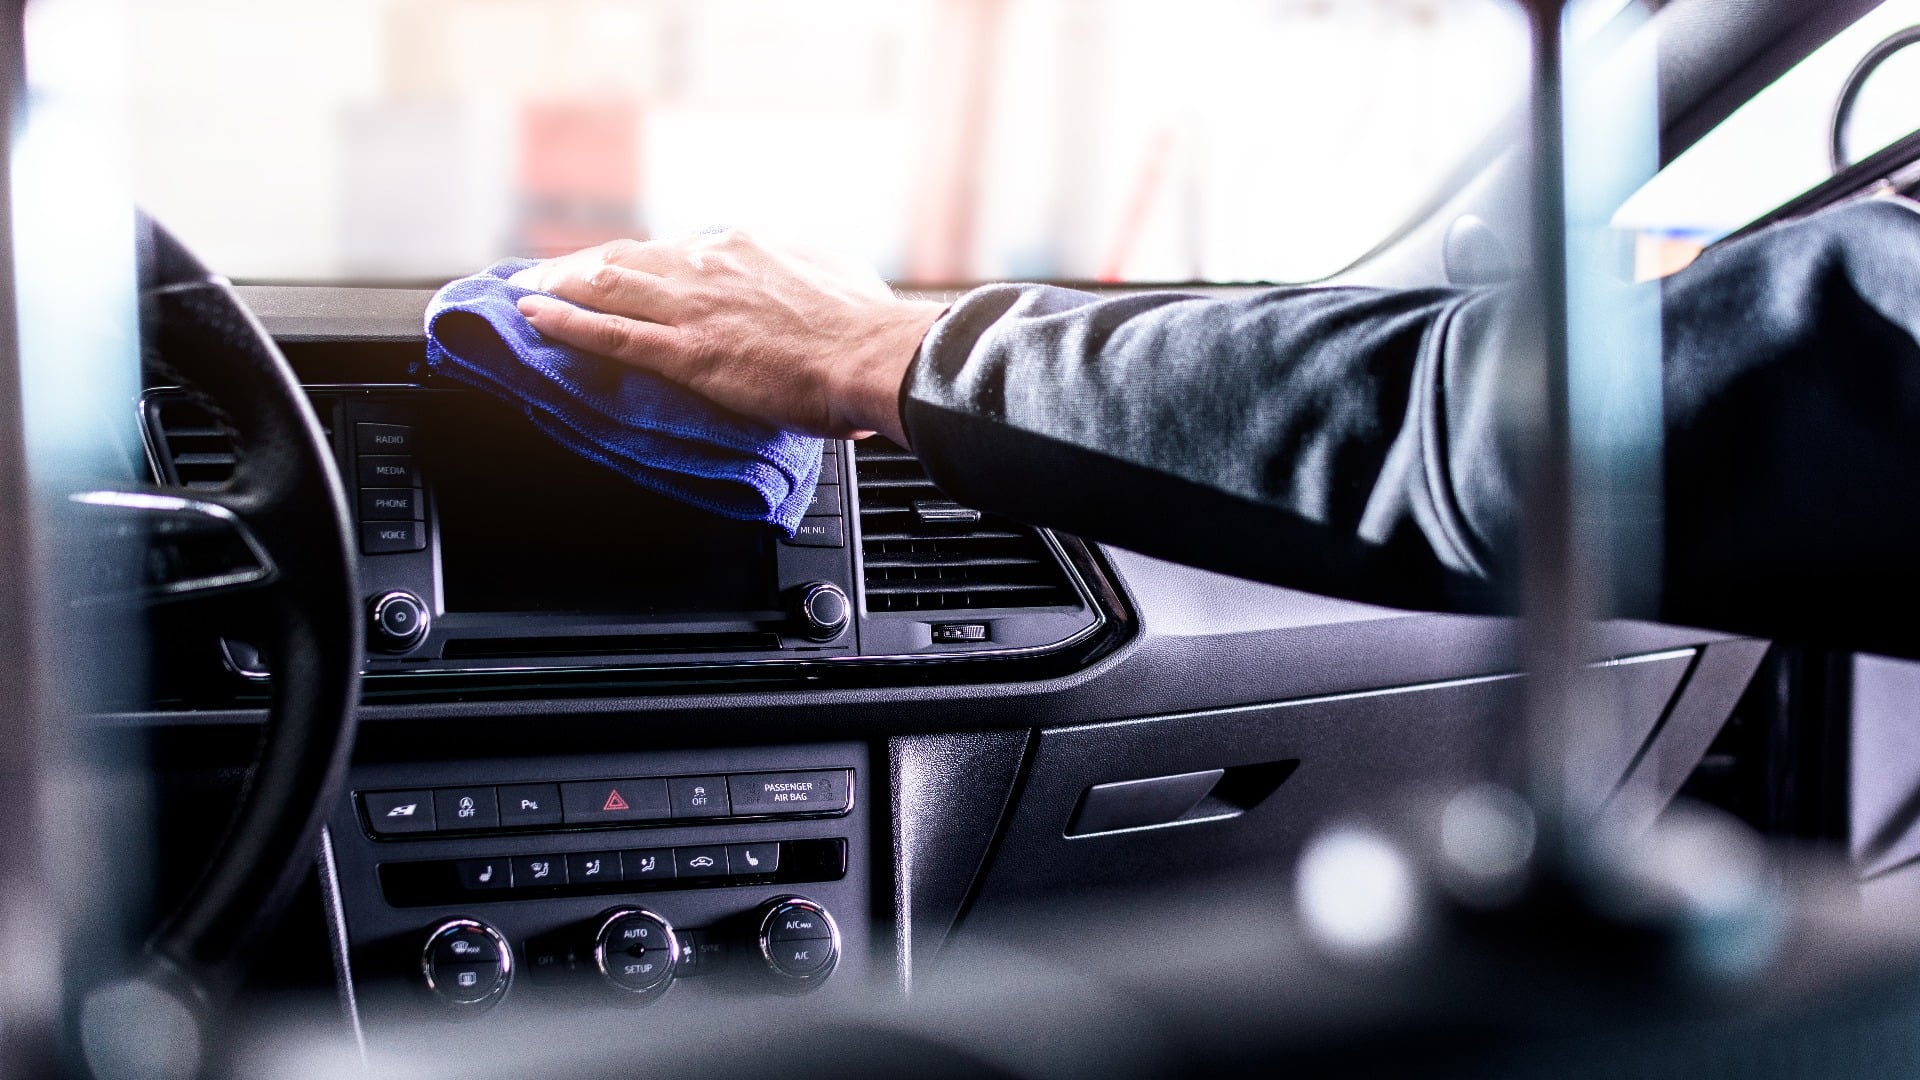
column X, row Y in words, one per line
column 925, row 552
column 190, row 448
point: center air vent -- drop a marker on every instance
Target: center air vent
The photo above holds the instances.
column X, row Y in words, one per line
column 925, row 552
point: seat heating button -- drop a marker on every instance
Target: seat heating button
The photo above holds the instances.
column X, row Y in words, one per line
column 530, row 804
column 599, row 802
column 698, row 796
column 483, row 874
column 391, row 813
column 753, row 860
column 822, row 792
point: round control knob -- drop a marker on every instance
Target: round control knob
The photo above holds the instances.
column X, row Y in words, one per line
column 397, row 621
column 467, row 964
column 823, row 610
column 799, row 941
column 635, row 951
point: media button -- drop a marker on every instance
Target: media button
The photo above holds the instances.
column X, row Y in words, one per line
column 393, row 813
column 381, row 470
column 599, row 802
column 530, row 804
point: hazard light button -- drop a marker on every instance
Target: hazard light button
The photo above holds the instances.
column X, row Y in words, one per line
column 598, row 802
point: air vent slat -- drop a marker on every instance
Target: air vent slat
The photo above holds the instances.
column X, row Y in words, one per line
column 924, row 552
column 192, row 449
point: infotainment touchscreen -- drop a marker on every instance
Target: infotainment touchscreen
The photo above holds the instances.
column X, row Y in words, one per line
column 526, row 526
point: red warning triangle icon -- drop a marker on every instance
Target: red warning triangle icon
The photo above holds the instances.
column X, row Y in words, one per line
column 614, row 802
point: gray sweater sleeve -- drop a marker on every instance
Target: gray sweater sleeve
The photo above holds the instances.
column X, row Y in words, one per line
column 1355, row 442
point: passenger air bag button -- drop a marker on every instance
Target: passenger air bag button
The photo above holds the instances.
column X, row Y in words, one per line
column 699, row 862
column 699, row 796
column 466, row 808
column 819, row 532
column 391, row 813
column 392, row 537
column 380, row 470
column 383, row 438
column 595, row 802
column 530, row 804
column 824, row 792
column 390, row 504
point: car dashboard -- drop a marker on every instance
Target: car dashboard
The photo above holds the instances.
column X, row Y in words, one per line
column 615, row 752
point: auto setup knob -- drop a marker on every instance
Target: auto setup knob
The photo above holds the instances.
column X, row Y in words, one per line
column 397, row 621
column 822, row 609
column 799, row 942
column 635, row 951
column 466, row 964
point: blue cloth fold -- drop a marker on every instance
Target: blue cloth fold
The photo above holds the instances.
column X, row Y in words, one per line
column 655, row 433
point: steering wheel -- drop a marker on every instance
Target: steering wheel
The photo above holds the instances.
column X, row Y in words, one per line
column 277, row 539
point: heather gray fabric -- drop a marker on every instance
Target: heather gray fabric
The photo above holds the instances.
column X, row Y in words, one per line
column 1349, row 441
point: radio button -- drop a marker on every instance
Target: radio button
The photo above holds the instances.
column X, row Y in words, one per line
column 383, row 438
column 819, row 532
column 599, row 802
column 824, row 792
column 530, row 804
column 390, row 504
column 698, row 796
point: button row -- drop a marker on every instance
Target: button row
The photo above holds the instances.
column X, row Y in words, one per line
column 635, row 800
column 505, row 877
column 392, row 514
column 646, row 866
column 825, row 523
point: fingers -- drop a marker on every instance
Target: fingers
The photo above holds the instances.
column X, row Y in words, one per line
column 645, row 345
column 588, row 278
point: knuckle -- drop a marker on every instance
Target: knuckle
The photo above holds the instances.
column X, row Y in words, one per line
column 603, row 279
column 617, row 252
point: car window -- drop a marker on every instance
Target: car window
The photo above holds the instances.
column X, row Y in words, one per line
column 1775, row 146
column 943, row 140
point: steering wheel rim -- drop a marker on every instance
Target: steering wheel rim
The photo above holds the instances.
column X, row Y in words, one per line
column 286, row 495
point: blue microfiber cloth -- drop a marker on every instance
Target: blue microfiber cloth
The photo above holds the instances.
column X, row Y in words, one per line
column 649, row 430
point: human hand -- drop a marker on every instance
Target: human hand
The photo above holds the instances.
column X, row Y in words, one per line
column 796, row 338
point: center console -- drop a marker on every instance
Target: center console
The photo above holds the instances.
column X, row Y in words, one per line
column 614, row 881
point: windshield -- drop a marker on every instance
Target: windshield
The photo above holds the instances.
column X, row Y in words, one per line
column 945, row 141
